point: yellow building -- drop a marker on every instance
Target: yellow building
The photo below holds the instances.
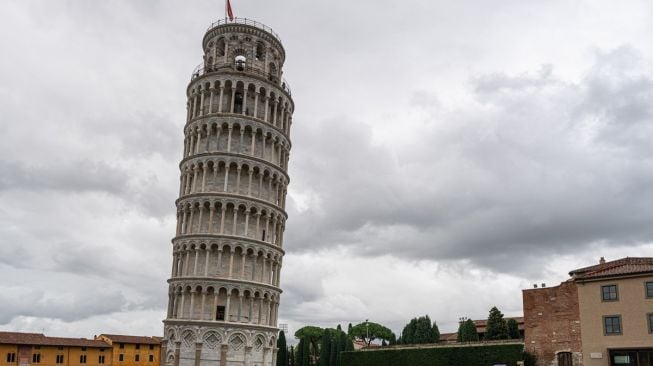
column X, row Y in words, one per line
column 133, row 350
column 34, row 349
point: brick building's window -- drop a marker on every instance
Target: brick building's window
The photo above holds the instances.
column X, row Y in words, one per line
column 59, row 359
column 137, row 358
column 121, row 357
column 82, row 359
column 151, row 358
column 11, row 357
column 122, row 345
column 649, row 289
column 650, row 323
column 83, row 349
column 609, row 293
column 101, row 360
column 36, row 358
column 612, row 324
column 151, row 347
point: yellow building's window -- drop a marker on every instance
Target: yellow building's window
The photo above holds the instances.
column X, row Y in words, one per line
column 82, row 359
column 36, row 358
column 121, row 357
column 101, row 359
column 151, row 358
column 59, row 359
column 137, row 358
column 11, row 357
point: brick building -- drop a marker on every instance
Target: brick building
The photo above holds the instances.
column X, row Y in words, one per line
column 601, row 316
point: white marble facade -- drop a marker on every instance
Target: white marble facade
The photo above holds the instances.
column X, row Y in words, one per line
column 224, row 289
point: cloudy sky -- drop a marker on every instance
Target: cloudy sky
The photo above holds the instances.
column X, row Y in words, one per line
column 446, row 154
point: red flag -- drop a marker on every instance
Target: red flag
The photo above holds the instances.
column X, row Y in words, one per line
column 230, row 12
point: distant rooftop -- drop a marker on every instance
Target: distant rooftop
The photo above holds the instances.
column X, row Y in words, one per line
column 119, row 338
column 619, row 267
column 39, row 339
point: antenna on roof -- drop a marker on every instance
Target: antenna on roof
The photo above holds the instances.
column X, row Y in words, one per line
column 602, row 260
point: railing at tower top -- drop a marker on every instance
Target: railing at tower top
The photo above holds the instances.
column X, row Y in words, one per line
column 247, row 68
column 245, row 21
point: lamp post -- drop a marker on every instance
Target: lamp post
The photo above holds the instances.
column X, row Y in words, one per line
column 367, row 328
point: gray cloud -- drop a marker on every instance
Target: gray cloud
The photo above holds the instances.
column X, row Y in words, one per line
column 426, row 134
column 533, row 165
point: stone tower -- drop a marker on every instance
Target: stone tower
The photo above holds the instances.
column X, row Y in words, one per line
column 227, row 253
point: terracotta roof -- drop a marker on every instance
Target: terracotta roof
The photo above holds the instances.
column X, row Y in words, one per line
column 131, row 339
column 619, row 267
column 38, row 339
column 448, row 337
column 481, row 324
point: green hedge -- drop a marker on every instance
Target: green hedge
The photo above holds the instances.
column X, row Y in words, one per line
column 489, row 355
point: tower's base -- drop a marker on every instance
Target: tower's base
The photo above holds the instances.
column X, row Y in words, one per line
column 197, row 345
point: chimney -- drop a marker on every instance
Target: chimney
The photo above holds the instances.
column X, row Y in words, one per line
column 543, row 285
column 602, row 260
column 535, row 285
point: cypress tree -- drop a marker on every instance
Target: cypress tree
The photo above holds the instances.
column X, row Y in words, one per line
column 291, row 358
column 325, row 348
column 333, row 355
column 422, row 330
column 349, row 330
column 470, row 331
column 461, row 331
column 435, row 333
column 342, row 346
column 513, row 329
column 306, row 354
column 496, row 326
column 300, row 353
column 282, row 353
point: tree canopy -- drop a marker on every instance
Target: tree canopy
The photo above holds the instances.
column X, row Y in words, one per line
column 496, row 326
column 369, row 331
column 513, row 329
column 419, row 331
column 467, row 331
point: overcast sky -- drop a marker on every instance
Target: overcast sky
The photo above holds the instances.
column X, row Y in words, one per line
column 446, row 154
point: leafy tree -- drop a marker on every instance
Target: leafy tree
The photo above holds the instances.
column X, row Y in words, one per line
column 467, row 331
column 435, row 333
column 408, row 333
column 496, row 326
column 470, row 331
column 513, row 329
column 325, row 348
column 339, row 328
column 282, row 354
column 368, row 332
column 423, row 330
column 419, row 331
column 313, row 335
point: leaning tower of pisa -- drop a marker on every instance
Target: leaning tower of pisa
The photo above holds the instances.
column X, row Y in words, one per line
column 227, row 253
